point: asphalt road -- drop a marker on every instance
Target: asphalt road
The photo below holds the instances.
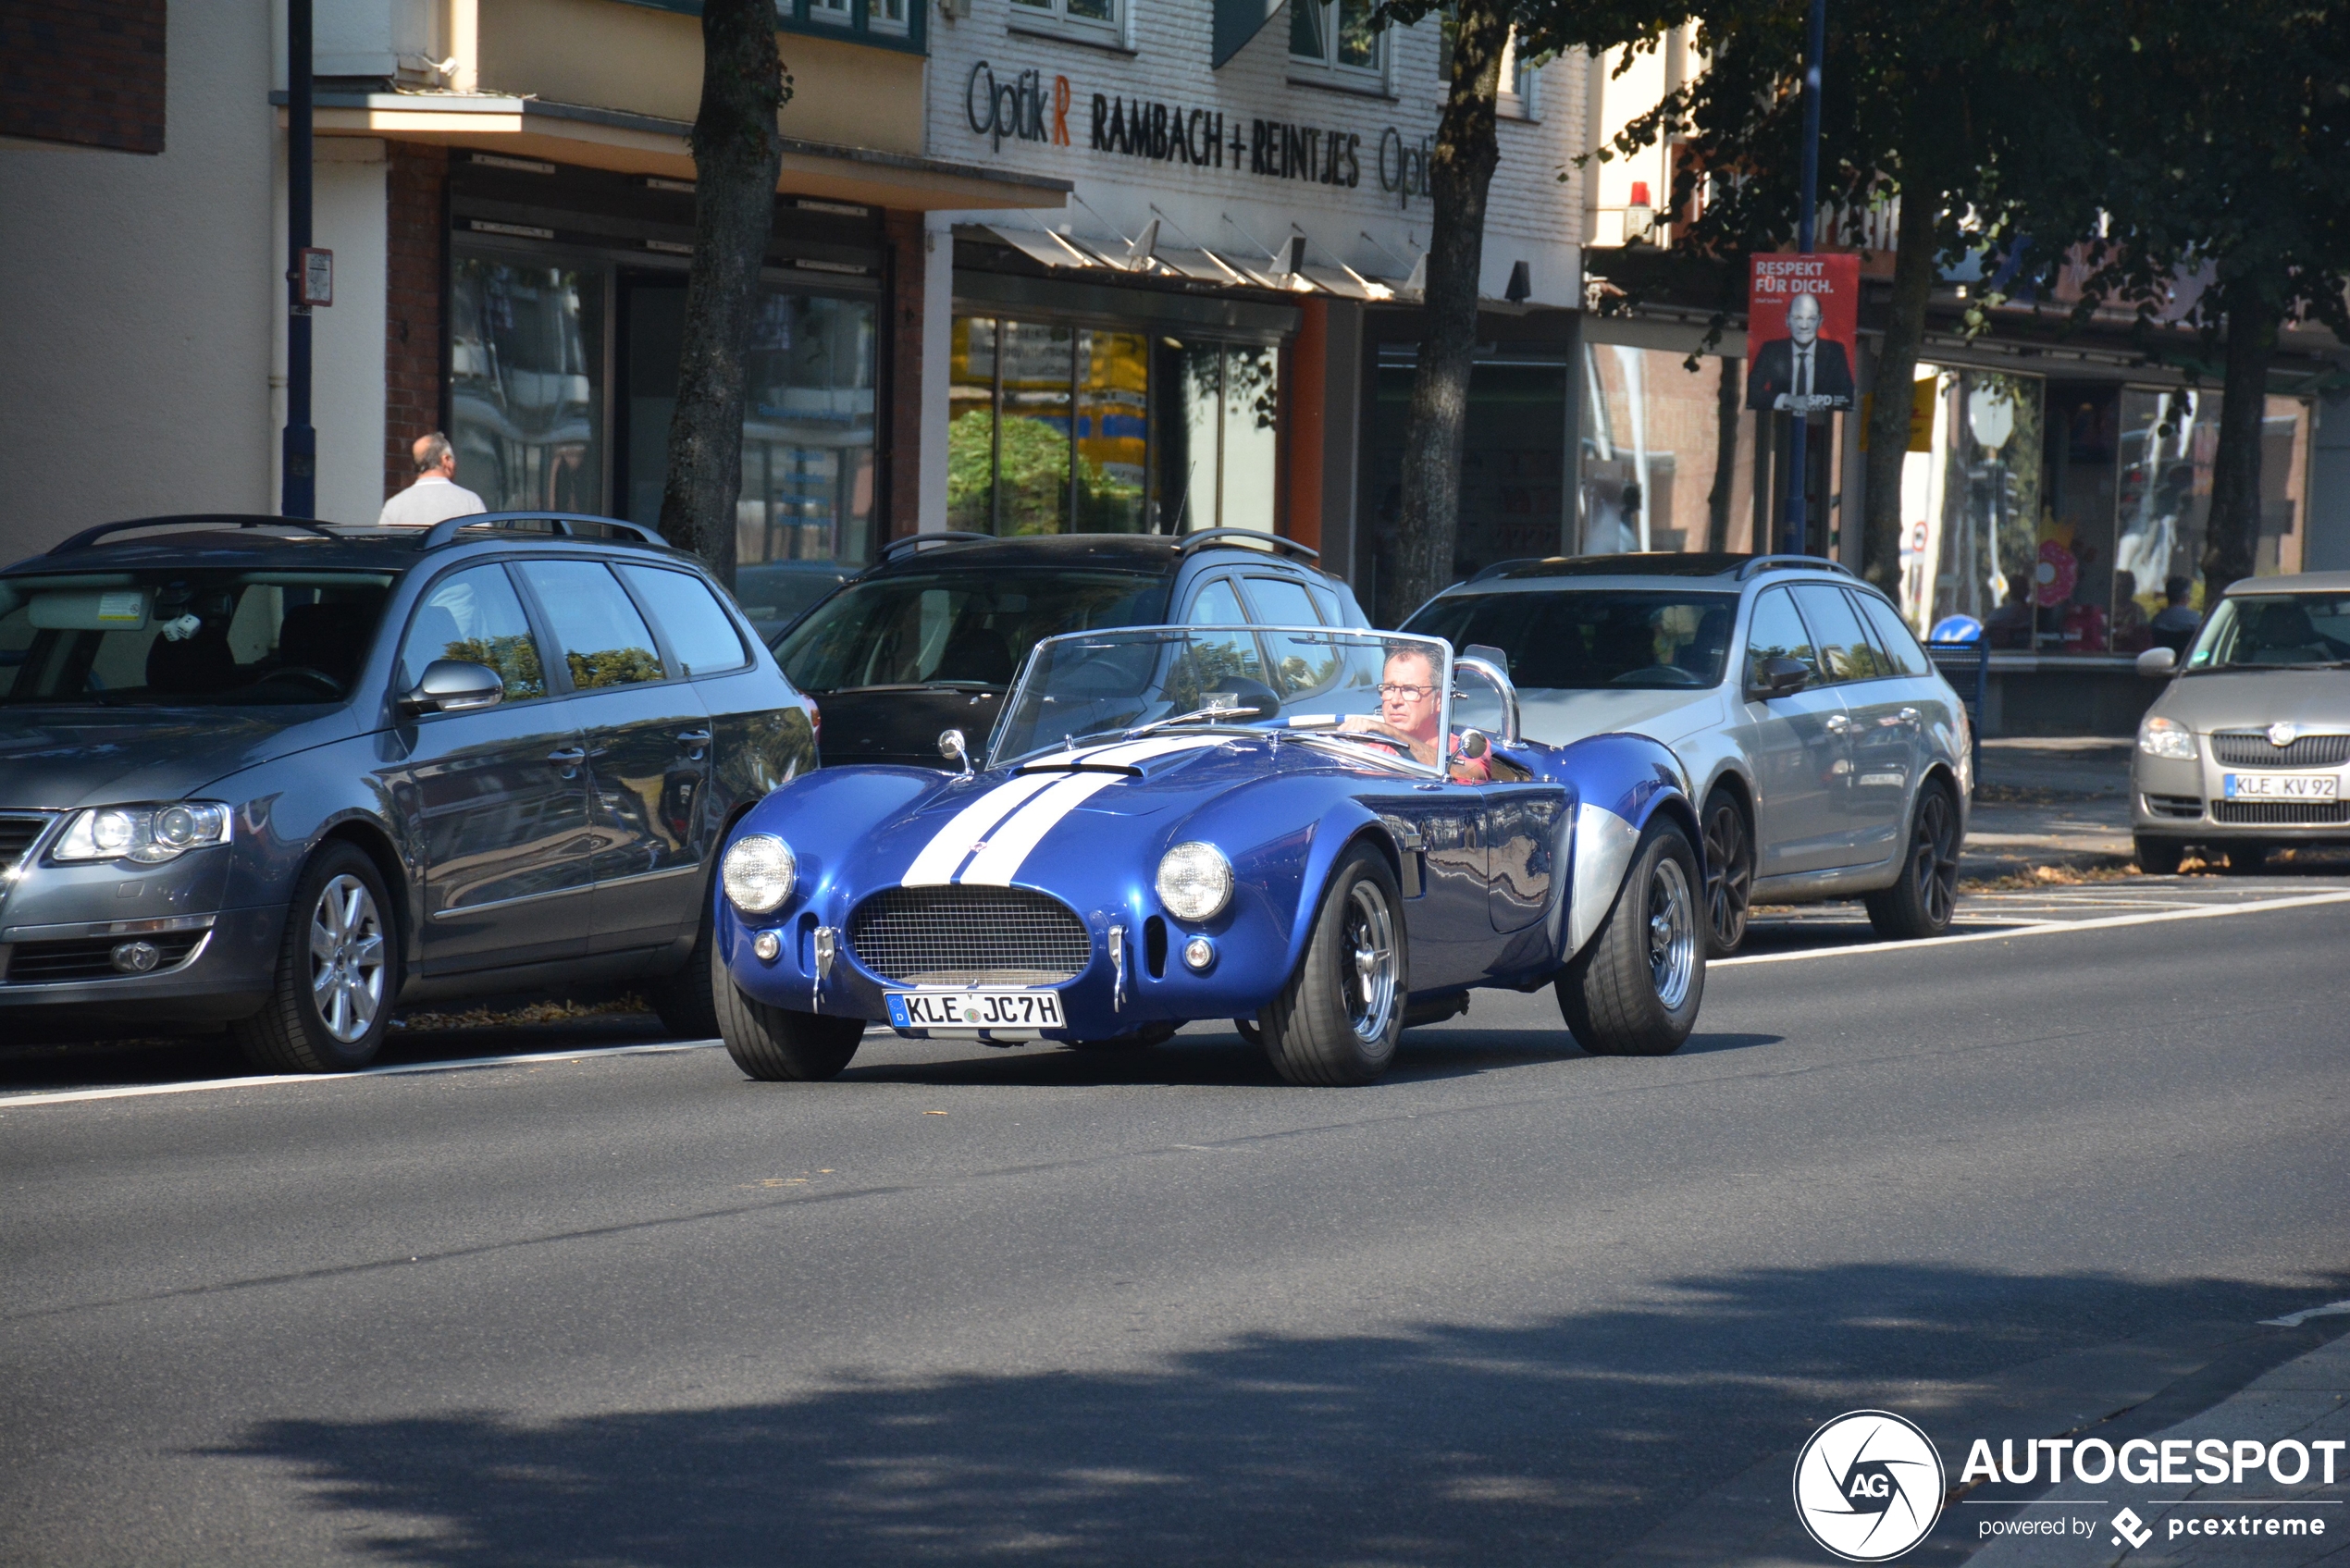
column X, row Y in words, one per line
column 1513, row 1306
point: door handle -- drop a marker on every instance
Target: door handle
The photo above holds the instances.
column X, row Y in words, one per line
column 694, row 740
column 1836, row 724
column 568, row 757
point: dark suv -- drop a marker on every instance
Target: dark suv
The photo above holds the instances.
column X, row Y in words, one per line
column 930, row 638
column 283, row 775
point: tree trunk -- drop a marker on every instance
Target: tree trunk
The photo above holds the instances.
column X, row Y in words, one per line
column 1897, row 366
column 2232, row 535
column 1460, row 170
column 737, row 158
column 1725, row 456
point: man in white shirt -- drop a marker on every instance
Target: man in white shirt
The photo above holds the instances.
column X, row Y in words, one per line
column 436, row 496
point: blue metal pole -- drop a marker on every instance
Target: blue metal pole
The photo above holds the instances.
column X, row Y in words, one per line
column 298, row 489
column 1798, row 458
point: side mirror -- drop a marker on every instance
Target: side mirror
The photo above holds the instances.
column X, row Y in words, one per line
column 2157, row 663
column 952, row 746
column 453, row 686
column 1778, row 677
column 1473, row 744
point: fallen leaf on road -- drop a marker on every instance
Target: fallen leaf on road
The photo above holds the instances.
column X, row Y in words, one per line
column 934, row 1113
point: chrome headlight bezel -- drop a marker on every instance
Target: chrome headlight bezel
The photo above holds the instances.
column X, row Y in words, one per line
column 149, row 834
column 1194, row 881
column 759, row 872
column 2167, row 739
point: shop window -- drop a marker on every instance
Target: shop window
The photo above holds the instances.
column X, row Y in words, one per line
column 1667, row 460
column 526, row 372
column 1342, row 38
column 1991, row 509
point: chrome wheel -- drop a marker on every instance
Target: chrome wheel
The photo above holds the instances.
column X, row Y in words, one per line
column 346, row 959
column 1934, row 859
column 1729, row 875
column 1672, row 933
column 1367, row 959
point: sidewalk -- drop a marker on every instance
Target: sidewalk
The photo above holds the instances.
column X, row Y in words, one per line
column 2050, row 801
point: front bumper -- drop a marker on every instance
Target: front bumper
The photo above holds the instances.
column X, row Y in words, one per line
column 210, row 968
column 2173, row 797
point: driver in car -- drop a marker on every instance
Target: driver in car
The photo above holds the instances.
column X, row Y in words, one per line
column 1409, row 712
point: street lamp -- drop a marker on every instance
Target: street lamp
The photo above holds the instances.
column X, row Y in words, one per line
column 1799, row 465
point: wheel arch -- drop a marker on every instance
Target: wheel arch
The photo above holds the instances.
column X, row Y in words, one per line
column 371, row 839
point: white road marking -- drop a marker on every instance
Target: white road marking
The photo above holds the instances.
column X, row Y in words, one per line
column 273, row 1080
column 2295, row 1319
column 2046, row 928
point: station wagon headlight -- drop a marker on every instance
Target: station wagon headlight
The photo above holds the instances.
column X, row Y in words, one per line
column 146, row 835
column 1194, row 881
column 759, row 872
column 2167, row 737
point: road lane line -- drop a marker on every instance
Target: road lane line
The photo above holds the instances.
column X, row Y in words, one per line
column 271, row 1081
column 2045, row 928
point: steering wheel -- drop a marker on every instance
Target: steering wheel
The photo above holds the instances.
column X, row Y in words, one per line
column 1658, row 674
column 317, row 679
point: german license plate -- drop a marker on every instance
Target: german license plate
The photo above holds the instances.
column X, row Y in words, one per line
column 2280, row 786
column 975, row 1009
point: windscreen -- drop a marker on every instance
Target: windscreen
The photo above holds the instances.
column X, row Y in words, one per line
column 1582, row 641
column 2275, row 632
column 1382, row 692
column 956, row 629
column 181, row 637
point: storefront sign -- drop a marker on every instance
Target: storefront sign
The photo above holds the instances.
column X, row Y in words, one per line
column 1016, row 108
column 1803, row 316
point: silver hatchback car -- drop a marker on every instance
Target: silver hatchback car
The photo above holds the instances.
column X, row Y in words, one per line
column 2245, row 751
column 1832, row 759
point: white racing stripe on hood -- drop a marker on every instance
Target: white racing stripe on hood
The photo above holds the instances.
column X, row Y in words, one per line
column 935, row 866
column 999, row 861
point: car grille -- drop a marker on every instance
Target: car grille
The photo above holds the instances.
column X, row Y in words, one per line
column 2279, row 813
column 2254, row 751
column 959, row 935
column 91, row 957
column 18, row 830
column 2174, row 806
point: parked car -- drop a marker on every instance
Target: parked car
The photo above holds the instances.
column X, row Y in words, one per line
column 2246, row 750
column 1185, row 823
column 281, row 776
column 931, row 635
column 775, row 593
column 1832, row 759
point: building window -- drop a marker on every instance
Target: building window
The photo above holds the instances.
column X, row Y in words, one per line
column 1102, row 21
column 1340, row 38
column 894, row 24
column 1516, row 100
column 525, row 381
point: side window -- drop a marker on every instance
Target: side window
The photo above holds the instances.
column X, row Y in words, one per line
column 604, row 641
column 1777, row 632
column 1281, row 601
column 1325, row 600
column 1300, row 663
column 475, row 616
column 1844, row 650
column 701, row 633
column 1217, row 605
column 1893, row 639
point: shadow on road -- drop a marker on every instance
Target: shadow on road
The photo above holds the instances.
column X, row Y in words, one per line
column 1563, row 1440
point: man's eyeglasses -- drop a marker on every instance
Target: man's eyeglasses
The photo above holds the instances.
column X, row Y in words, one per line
column 1396, row 688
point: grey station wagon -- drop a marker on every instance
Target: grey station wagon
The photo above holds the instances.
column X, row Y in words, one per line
column 282, row 775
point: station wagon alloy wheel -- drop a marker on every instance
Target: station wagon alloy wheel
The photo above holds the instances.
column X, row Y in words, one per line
column 1729, row 874
column 1934, row 859
column 346, row 959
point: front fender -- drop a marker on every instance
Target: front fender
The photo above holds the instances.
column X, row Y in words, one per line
column 1623, row 782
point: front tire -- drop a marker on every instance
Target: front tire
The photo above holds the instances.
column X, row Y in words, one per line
column 1925, row 899
column 1634, row 989
column 338, row 972
column 776, row 1045
column 1729, row 873
column 2160, row 857
column 1340, row 1018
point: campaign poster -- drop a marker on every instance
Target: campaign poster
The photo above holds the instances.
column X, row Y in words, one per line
column 1802, row 319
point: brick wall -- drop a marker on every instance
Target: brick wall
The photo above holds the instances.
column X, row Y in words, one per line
column 416, row 185
column 901, row 380
column 88, row 72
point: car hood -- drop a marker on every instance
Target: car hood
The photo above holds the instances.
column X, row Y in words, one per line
column 57, row 758
column 1556, row 717
column 2252, row 700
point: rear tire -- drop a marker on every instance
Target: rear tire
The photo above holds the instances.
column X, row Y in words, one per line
column 2160, row 857
column 1634, row 989
column 1729, row 873
column 1925, row 899
column 776, row 1045
column 1340, row 1018
column 687, row 1001
column 338, row 972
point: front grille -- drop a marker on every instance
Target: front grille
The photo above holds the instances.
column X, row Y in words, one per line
column 18, row 830
column 968, row 936
column 2254, row 751
column 2174, row 806
column 91, row 957
column 2279, row 813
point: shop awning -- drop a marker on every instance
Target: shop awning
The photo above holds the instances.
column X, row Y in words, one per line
column 633, row 144
column 1067, row 252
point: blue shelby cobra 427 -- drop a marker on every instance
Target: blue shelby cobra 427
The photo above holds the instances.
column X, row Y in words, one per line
column 1278, row 826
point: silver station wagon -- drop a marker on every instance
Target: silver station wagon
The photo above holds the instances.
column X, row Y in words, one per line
column 2245, row 751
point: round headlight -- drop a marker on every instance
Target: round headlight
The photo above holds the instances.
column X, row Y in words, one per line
column 759, row 872
column 1194, row 881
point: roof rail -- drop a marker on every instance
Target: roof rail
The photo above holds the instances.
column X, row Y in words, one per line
column 1791, row 563
column 1273, row 542
column 1501, row 566
column 565, row 526
column 912, row 542
column 191, row 519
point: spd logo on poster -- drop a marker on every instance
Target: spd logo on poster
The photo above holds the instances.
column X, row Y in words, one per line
column 1803, row 316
